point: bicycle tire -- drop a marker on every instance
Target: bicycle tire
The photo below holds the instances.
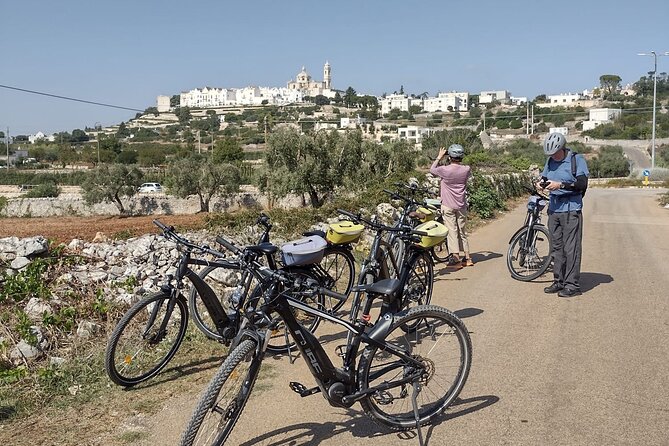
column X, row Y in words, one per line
column 440, row 253
column 206, row 425
column 531, row 264
column 451, row 360
column 199, row 312
column 419, row 283
column 125, row 364
column 339, row 265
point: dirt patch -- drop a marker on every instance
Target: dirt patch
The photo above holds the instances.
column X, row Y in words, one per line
column 64, row 229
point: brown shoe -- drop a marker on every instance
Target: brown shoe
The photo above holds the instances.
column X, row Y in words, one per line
column 467, row 262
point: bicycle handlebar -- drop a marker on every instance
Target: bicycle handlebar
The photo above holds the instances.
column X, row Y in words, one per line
column 379, row 226
column 227, row 245
column 170, row 233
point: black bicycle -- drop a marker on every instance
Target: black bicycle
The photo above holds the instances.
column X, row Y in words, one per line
column 149, row 334
column 402, row 378
column 336, row 271
column 529, row 253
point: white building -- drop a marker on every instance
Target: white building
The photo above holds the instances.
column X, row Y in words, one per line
column 518, row 100
column 39, row 135
column 564, row 98
column 599, row 116
column 502, row 96
column 351, row 123
column 163, row 104
column 399, row 101
column 451, row 101
column 563, row 130
column 415, row 134
column 309, row 87
column 230, row 97
column 207, row 97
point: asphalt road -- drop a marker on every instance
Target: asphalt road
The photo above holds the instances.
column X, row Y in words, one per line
column 590, row 370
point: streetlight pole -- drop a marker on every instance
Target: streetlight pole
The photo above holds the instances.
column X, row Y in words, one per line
column 654, row 54
column 97, row 136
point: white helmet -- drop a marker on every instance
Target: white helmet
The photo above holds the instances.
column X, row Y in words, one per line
column 456, row 151
column 553, row 143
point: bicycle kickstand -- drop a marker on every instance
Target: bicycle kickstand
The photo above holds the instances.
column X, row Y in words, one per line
column 414, row 395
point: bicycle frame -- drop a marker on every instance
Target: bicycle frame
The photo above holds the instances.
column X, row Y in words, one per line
column 339, row 385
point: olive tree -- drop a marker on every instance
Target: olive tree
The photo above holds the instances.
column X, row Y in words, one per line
column 199, row 176
column 314, row 165
column 111, row 183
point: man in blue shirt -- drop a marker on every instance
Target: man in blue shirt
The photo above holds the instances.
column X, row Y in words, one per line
column 565, row 220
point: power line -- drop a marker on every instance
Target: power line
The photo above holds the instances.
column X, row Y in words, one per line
column 69, row 98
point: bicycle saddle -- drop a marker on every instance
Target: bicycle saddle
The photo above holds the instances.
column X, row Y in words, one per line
column 385, row 286
column 310, row 233
column 263, row 248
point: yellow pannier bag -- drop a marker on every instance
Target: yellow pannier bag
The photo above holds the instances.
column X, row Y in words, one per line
column 436, row 233
column 344, row 232
column 425, row 214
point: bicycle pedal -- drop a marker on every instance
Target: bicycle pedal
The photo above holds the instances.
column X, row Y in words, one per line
column 301, row 390
column 340, row 350
column 383, row 398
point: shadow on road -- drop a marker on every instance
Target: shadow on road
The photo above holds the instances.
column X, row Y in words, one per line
column 468, row 312
column 178, row 371
column 361, row 426
column 478, row 257
column 591, row 280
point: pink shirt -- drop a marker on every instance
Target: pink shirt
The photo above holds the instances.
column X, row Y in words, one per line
column 453, row 183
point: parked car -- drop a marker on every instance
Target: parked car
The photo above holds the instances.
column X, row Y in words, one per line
column 150, row 187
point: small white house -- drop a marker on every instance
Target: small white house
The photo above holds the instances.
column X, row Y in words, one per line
column 599, row 116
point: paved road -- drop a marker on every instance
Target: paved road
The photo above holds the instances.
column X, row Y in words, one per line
column 546, row 371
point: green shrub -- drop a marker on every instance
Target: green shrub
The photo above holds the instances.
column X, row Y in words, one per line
column 47, row 190
column 484, row 199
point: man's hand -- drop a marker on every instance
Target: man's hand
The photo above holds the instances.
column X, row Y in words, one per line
column 442, row 153
column 553, row 185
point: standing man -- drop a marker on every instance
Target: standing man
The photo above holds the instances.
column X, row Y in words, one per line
column 454, row 178
column 566, row 177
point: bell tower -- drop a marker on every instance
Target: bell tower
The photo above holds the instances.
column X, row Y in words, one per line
column 327, row 77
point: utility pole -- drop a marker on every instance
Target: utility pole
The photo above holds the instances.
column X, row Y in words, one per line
column 7, row 142
column 199, row 147
column 532, row 128
column 527, row 118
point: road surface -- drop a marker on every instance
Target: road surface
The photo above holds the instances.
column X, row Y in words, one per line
column 590, row 370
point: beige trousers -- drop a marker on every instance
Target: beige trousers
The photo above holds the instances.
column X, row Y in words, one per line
column 455, row 220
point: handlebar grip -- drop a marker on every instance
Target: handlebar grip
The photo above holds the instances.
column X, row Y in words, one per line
column 333, row 294
column 348, row 214
column 227, row 245
column 160, row 225
column 421, row 233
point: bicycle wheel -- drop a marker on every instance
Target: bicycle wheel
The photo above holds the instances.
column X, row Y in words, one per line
column 441, row 343
column 527, row 264
column 418, row 283
column 339, row 266
column 440, row 253
column 138, row 347
column 223, row 401
column 220, row 280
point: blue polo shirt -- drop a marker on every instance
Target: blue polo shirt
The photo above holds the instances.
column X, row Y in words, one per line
column 564, row 200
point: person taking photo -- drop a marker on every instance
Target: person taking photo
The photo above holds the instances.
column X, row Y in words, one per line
column 565, row 175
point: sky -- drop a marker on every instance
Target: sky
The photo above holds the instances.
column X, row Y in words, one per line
column 127, row 52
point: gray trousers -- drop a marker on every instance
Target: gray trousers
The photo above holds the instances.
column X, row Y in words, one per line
column 566, row 230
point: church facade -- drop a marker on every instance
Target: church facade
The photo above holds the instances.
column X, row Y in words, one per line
column 309, row 87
